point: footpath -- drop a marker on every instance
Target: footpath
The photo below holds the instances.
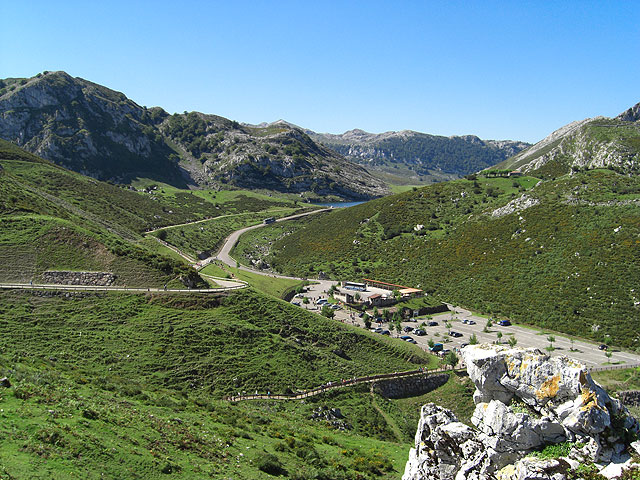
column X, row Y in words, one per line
column 341, row 384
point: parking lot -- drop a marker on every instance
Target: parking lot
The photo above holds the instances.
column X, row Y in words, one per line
column 467, row 324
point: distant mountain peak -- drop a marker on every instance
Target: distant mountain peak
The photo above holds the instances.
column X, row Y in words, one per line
column 630, row 115
column 598, row 142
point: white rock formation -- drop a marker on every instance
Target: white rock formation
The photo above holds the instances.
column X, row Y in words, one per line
column 561, row 402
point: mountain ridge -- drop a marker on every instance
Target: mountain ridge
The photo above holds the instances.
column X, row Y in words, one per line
column 598, row 142
column 97, row 131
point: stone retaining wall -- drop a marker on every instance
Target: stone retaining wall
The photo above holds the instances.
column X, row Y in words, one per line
column 96, row 279
column 409, row 386
column 630, row 398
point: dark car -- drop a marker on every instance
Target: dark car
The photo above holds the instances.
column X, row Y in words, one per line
column 464, row 345
column 504, row 323
column 432, row 324
column 408, row 329
column 385, row 332
column 406, row 338
column 419, row 332
column 455, row 334
column 603, row 347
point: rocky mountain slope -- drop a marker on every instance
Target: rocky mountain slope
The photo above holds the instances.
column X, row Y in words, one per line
column 101, row 133
column 422, row 153
column 526, row 402
column 591, row 143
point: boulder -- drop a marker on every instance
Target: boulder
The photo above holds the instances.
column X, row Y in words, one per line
column 557, row 401
column 532, row 468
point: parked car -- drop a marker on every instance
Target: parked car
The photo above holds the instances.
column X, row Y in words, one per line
column 405, row 337
column 465, row 321
column 322, row 301
column 443, row 352
column 419, row 332
column 437, row 347
column 455, row 334
column 408, row 329
column 504, row 323
column 385, row 332
column 470, row 322
column 378, row 330
column 413, row 319
column 297, row 304
column 411, row 340
column 432, row 324
column 464, row 345
column 603, row 347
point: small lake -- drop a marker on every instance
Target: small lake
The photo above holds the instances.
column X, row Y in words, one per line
column 338, row 204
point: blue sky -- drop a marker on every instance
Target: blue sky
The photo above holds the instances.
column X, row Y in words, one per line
column 500, row 70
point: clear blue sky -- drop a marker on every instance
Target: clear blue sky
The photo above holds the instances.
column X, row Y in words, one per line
column 500, row 70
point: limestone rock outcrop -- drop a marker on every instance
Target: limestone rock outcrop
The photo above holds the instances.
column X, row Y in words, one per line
column 525, row 400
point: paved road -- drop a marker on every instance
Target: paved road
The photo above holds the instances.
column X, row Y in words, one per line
column 87, row 288
column 583, row 351
column 178, row 225
column 224, row 254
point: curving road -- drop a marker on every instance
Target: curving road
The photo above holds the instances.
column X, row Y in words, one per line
column 224, row 254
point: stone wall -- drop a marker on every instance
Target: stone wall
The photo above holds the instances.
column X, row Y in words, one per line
column 630, row 398
column 409, row 386
column 96, row 279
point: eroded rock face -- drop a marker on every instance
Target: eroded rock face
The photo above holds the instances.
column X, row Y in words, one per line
column 556, row 387
column 525, row 400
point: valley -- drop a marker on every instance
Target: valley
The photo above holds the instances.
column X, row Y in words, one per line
column 141, row 315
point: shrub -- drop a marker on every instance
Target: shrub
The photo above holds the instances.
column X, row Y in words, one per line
column 270, row 464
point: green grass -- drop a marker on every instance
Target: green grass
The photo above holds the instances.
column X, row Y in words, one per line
column 270, row 285
column 208, row 236
column 58, row 424
column 129, row 386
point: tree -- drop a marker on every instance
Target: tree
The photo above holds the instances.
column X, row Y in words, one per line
column 367, row 321
column 398, row 327
column 499, row 335
column 305, row 300
column 473, row 340
column 376, row 312
column 451, row 359
column 512, row 341
column 396, row 294
column 551, row 339
column 431, row 343
column 608, row 355
column 386, row 314
column 327, row 311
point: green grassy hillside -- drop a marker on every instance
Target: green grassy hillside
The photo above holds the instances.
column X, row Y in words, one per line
column 55, row 219
column 570, row 261
column 130, row 386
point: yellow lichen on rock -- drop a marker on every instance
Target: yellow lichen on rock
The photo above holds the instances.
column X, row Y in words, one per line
column 506, row 473
column 549, row 388
column 589, row 400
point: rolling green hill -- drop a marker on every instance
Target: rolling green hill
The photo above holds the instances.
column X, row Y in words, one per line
column 130, row 386
column 564, row 254
column 55, row 219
